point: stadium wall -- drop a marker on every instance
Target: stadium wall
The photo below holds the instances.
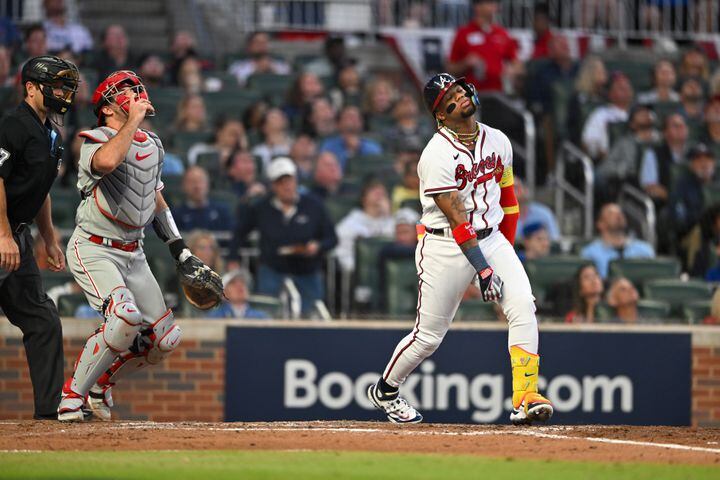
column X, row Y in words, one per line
column 191, row 385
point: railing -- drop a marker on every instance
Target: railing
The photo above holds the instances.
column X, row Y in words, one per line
column 640, row 209
column 523, row 139
column 563, row 187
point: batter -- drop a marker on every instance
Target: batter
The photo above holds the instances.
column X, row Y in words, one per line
column 467, row 231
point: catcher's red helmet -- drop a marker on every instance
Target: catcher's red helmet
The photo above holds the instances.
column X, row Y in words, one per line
column 111, row 89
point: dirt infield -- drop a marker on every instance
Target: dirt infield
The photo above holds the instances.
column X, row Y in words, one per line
column 587, row 443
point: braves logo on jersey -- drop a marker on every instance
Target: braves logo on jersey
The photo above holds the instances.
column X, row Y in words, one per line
column 493, row 163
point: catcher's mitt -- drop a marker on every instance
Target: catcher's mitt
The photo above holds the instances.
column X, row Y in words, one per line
column 202, row 286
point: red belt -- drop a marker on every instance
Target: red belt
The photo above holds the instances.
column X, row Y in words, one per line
column 126, row 247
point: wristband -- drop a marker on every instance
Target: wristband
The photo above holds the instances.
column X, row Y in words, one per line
column 463, row 233
column 177, row 247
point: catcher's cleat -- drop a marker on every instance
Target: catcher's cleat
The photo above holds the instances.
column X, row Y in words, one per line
column 397, row 409
column 99, row 402
column 71, row 406
column 533, row 408
column 528, row 405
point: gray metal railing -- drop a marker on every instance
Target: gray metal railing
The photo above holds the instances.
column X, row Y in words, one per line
column 640, row 209
column 564, row 188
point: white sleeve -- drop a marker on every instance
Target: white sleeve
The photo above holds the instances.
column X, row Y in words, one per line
column 436, row 170
column 594, row 135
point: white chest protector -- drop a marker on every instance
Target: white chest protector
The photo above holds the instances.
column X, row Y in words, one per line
column 127, row 194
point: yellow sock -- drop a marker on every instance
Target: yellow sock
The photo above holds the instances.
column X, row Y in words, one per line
column 525, row 367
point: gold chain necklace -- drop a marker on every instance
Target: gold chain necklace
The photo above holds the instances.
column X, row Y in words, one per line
column 466, row 138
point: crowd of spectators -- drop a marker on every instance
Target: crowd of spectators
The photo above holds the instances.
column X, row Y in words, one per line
column 324, row 155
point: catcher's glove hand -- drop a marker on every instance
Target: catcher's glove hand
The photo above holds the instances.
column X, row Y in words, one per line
column 491, row 285
column 202, row 286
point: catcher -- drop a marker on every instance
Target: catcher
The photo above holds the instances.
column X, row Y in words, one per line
column 120, row 186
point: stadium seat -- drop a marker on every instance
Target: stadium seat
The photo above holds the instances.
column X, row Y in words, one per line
column 477, row 310
column 267, row 304
column 663, row 109
column 639, row 73
column 640, row 270
column 65, row 202
column 547, row 272
column 181, row 142
column 226, row 197
column 165, row 100
column 231, row 103
column 401, row 287
column 677, row 292
column 339, row 207
column 364, row 165
column 271, row 87
column 366, row 266
column 695, row 312
column 653, row 309
column 67, row 304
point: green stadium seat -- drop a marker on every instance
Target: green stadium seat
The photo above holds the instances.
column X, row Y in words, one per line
column 364, row 165
column 366, row 266
column 165, row 100
column 339, row 207
column 639, row 73
column 695, row 312
column 401, row 287
column 230, row 103
column 545, row 273
column 640, row 270
column 67, row 304
column 477, row 310
column 711, row 193
column 677, row 292
column 182, row 141
column 271, row 87
column 663, row 109
column 65, row 202
column 562, row 92
column 653, row 309
column 226, row 197
column 267, row 304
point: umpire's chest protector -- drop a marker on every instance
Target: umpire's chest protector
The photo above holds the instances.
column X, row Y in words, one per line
column 127, row 195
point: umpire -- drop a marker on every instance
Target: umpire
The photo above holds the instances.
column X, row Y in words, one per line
column 30, row 156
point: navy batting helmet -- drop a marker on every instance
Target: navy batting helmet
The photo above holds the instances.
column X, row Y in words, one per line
column 436, row 88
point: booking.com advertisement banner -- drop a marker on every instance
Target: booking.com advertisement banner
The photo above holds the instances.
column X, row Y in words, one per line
column 323, row 374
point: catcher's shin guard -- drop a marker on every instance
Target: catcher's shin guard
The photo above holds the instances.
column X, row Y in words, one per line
column 117, row 334
column 528, row 405
column 154, row 344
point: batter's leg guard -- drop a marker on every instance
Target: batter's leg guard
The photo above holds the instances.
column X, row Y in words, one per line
column 528, row 405
column 122, row 324
column 155, row 344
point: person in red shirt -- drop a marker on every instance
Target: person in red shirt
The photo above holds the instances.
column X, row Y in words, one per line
column 541, row 30
column 481, row 48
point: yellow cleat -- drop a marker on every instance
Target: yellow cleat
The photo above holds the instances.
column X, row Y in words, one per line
column 528, row 405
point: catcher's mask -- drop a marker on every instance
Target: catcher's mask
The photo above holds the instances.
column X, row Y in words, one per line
column 436, row 88
column 51, row 73
column 112, row 89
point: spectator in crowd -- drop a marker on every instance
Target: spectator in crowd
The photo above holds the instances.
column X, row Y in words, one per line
column 622, row 298
column 258, row 59
column 252, row 118
column 403, row 245
column 373, row 219
column 541, row 31
column 536, row 242
column 152, row 71
column 276, row 141
column 408, row 125
column 597, row 13
column 304, row 152
column 6, row 77
column 658, row 163
column 204, row 245
column 595, row 135
column 190, row 76
column 349, row 87
column 380, row 97
column 198, row 211
column 691, row 100
column 622, row 165
column 328, row 178
column 701, row 246
column 614, row 242
column 229, row 135
column 694, row 64
column 242, row 174
column 481, row 49
column 587, row 291
column 10, row 37
column 235, row 305
column 534, row 212
column 183, row 45
column 62, row 33
column 349, row 142
column 334, row 59
column 560, row 69
column 115, row 53
column 687, row 201
column 664, row 78
column 35, row 43
column 305, row 89
column 295, row 233
column 710, row 135
column 589, row 91
column 320, row 121
column 191, row 115
column 409, row 189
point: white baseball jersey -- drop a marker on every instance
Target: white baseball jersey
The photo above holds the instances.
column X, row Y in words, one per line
column 446, row 165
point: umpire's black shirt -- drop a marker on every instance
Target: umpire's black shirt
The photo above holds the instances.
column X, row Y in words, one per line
column 30, row 154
